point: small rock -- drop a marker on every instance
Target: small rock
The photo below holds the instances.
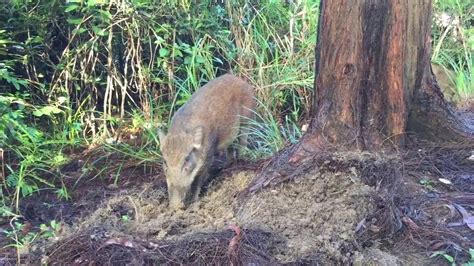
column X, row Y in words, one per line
column 445, row 181
column 471, row 158
column 112, row 186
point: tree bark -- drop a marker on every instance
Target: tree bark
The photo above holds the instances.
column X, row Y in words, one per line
column 373, row 83
column 432, row 118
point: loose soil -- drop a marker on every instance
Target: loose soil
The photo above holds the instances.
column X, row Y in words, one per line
column 361, row 208
column 316, row 214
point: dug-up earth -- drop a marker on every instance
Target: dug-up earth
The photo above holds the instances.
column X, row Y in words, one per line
column 315, row 216
column 329, row 214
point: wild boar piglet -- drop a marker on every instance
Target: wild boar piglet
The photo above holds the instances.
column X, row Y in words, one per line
column 204, row 126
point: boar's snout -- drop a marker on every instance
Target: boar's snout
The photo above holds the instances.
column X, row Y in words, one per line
column 177, row 197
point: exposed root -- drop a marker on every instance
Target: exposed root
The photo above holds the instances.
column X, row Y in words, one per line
column 433, row 119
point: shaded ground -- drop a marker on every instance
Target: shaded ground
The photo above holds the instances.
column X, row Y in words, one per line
column 338, row 208
column 285, row 223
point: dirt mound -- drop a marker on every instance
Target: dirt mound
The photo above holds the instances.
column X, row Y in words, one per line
column 310, row 219
column 143, row 211
column 317, row 213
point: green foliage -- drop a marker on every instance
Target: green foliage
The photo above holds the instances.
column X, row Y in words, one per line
column 453, row 43
column 7, row 66
column 125, row 218
column 28, row 146
column 275, row 44
column 267, row 135
column 444, row 255
column 21, row 235
column 51, row 230
column 427, row 183
column 471, row 260
column 451, row 260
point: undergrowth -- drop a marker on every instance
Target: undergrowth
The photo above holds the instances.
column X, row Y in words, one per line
column 453, row 45
column 86, row 73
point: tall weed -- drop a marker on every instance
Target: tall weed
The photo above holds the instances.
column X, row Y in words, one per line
column 453, row 43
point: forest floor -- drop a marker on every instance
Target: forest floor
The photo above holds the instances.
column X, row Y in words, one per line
column 361, row 208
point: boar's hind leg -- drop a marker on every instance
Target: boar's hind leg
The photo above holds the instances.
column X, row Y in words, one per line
column 220, row 161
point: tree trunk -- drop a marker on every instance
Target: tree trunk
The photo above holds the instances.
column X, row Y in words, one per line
column 374, row 82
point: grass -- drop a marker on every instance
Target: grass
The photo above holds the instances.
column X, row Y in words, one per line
column 453, row 44
column 462, row 77
column 276, row 53
column 267, row 136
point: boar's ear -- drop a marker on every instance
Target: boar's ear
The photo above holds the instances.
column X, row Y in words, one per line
column 161, row 137
column 198, row 137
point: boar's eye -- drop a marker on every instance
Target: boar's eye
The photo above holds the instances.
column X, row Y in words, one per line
column 189, row 163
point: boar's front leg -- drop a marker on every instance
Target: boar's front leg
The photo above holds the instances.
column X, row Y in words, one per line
column 197, row 185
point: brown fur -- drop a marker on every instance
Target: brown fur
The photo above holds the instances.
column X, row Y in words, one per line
column 445, row 80
column 206, row 125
